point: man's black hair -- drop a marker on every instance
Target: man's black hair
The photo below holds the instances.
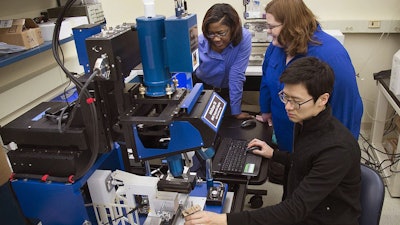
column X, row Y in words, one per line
column 316, row 75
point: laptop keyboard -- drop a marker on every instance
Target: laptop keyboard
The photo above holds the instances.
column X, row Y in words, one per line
column 235, row 155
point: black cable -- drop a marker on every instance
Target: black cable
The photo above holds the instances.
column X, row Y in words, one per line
column 96, row 141
column 378, row 150
column 79, row 100
column 61, row 51
column 55, row 42
column 392, row 158
column 390, row 165
column 392, row 125
column 371, row 159
column 65, row 92
column 83, row 93
column 394, row 171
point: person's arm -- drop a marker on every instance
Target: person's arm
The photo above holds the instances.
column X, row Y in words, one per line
column 237, row 73
column 265, row 150
column 244, row 115
column 265, row 117
column 325, row 175
column 206, row 218
column 282, row 157
column 268, row 152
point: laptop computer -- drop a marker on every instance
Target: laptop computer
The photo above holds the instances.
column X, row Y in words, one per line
column 232, row 152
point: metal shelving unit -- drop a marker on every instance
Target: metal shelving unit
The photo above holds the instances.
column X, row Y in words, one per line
column 8, row 59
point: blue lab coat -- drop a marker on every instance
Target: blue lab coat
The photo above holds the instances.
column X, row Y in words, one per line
column 345, row 100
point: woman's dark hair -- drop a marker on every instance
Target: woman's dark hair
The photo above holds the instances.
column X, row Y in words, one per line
column 228, row 16
column 298, row 25
column 316, row 75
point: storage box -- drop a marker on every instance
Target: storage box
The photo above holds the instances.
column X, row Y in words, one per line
column 21, row 32
column 5, row 170
column 67, row 24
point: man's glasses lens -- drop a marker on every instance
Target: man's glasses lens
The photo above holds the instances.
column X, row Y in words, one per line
column 285, row 100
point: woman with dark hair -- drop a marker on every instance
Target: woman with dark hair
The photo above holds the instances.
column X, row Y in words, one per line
column 224, row 49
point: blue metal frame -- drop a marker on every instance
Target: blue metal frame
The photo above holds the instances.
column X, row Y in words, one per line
column 180, row 130
column 60, row 203
column 191, row 99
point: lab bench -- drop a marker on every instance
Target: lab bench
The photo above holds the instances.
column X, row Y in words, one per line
column 385, row 99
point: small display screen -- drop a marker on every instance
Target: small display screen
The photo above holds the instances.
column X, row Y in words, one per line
column 214, row 111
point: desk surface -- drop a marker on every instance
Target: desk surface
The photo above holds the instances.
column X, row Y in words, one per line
column 230, row 127
column 386, row 83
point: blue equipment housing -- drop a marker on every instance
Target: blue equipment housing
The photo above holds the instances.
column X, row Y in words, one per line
column 151, row 35
column 166, row 46
column 182, row 43
column 80, row 34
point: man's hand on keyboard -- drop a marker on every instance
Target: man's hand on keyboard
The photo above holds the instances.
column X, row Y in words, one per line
column 265, row 151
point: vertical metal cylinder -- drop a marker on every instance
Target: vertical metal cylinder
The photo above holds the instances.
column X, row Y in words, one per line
column 151, row 34
column 175, row 165
column 209, row 177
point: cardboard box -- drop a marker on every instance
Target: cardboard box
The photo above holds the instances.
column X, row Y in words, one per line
column 21, row 32
column 5, row 169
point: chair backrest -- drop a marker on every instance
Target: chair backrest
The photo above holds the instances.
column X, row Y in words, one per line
column 372, row 196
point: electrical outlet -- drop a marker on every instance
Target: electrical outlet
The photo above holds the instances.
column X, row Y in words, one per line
column 363, row 26
column 374, row 24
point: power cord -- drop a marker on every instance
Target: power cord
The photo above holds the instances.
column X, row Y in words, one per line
column 392, row 158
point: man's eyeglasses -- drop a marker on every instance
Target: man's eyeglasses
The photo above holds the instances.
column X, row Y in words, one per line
column 269, row 26
column 218, row 34
column 296, row 105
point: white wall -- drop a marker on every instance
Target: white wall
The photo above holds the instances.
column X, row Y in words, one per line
column 355, row 9
column 370, row 52
column 127, row 10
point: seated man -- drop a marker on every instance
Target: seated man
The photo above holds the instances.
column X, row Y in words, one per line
column 324, row 178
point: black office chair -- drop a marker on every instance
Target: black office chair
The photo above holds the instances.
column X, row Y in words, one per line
column 372, row 196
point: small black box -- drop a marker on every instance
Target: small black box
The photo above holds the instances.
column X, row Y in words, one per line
column 215, row 195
